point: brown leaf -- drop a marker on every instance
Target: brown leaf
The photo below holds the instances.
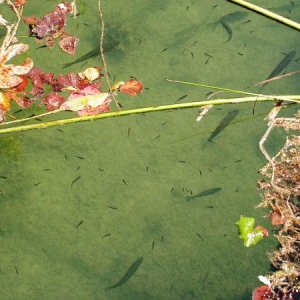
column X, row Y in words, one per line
column 131, row 87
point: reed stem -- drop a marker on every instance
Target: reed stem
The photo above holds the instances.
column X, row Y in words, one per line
column 289, row 98
column 267, row 13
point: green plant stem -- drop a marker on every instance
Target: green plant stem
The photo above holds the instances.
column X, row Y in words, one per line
column 267, row 13
column 226, row 89
column 290, row 98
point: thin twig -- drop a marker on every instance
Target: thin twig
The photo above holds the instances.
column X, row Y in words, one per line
column 223, row 89
column 102, row 54
column 277, row 78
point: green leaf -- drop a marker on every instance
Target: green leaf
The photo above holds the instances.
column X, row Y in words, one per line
column 245, row 224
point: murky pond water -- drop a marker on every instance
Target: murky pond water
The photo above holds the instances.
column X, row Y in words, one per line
column 108, row 203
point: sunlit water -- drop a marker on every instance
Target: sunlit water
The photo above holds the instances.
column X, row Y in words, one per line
column 81, row 205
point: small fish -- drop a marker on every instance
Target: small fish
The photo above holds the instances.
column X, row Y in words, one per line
column 111, row 207
column 204, row 193
column 165, row 49
column 133, row 268
column 280, row 66
column 106, row 235
column 199, row 235
column 78, row 224
column 80, row 157
column 3, row 177
column 76, row 179
column 181, row 98
column 223, row 124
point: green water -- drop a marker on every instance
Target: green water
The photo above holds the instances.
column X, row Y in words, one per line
column 64, row 241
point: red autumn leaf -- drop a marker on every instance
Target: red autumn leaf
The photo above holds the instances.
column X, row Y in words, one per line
column 35, row 74
column 68, row 44
column 20, row 3
column 23, row 102
column 53, row 101
column 52, row 23
column 22, row 85
column 260, row 293
column 31, row 20
column 47, row 78
column 131, row 87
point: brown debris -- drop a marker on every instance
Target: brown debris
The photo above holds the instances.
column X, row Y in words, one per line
column 281, row 187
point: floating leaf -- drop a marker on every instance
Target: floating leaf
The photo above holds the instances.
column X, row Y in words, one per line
column 131, row 87
column 4, row 102
column 245, row 224
column 54, row 101
column 90, row 74
column 88, row 100
column 248, row 234
column 260, row 293
column 9, row 73
column 68, row 44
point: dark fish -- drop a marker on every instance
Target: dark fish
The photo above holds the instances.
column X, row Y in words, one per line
column 128, row 274
column 3, row 177
column 78, row 224
column 112, row 207
column 76, row 179
column 234, row 17
column 223, row 124
column 181, row 98
column 281, row 66
column 229, row 19
column 228, row 30
column 80, row 157
column 204, row 193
